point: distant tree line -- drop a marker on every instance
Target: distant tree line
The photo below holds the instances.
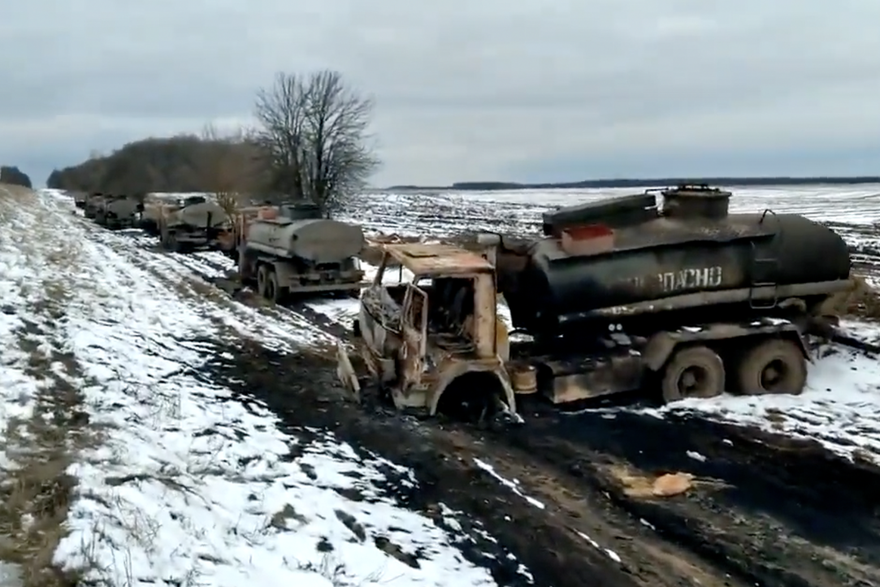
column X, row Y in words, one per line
column 645, row 183
column 14, row 176
column 311, row 141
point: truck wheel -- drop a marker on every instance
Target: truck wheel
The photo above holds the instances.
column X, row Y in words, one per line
column 695, row 371
column 169, row 242
column 262, row 281
column 273, row 291
column 773, row 366
column 99, row 218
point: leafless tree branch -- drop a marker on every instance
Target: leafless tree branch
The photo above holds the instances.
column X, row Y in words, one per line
column 314, row 133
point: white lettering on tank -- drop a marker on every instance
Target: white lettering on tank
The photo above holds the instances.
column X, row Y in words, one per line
column 691, row 278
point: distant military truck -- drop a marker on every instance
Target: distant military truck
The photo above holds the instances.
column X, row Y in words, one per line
column 93, row 201
column 115, row 211
column 292, row 249
column 195, row 224
column 79, row 199
column 154, row 208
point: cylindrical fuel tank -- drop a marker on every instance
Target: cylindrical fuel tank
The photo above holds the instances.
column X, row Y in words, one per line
column 668, row 257
column 318, row 241
column 122, row 207
column 199, row 215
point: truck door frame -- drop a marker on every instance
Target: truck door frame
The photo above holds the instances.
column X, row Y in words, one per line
column 414, row 334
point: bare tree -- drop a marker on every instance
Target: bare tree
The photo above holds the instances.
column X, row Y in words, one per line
column 314, row 132
column 227, row 166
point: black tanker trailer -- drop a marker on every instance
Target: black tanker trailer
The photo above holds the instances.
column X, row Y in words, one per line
column 680, row 290
column 626, row 294
column 615, row 260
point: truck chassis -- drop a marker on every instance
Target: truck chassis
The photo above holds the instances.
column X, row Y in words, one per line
column 187, row 239
column 278, row 278
column 430, row 355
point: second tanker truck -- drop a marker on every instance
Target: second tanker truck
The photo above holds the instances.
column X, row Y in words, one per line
column 678, row 297
column 292, row 249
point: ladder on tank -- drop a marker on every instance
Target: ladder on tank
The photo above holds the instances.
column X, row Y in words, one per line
column 765, row 266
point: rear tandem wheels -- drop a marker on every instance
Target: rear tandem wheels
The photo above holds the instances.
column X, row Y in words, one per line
column 276, row 282
column 751, row 360
column 267, row 284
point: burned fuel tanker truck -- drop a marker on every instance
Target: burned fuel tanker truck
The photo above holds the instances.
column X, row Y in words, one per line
column 709, row 299
column 292, row 249
column 625, row 294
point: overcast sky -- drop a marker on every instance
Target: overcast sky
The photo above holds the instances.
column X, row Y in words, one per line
column 523, row 90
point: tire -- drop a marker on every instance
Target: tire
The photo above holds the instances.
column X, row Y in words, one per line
column 273, row 291
column 262, row 280
column 100, row 219
column 693, row 372
column 772, row 367
column 169, row 242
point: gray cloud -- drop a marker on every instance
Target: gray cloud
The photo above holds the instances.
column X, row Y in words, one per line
column 466, row 90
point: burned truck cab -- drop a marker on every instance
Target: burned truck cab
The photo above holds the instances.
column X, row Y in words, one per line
column 434, row 342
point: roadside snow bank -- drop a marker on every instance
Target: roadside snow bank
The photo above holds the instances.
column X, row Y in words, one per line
column 19, row 289
column 190, row 486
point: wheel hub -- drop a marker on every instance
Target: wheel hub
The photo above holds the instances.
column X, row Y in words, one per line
column 692, row 380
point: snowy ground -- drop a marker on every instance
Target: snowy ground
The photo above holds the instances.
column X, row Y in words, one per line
column 841, row 405
column 444, row 213
column 177, row 481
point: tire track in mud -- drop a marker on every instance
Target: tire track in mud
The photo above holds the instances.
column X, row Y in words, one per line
column 770, row 510
column 724, row 533
column 561, row 545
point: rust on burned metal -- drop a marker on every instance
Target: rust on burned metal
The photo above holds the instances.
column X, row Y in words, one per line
column 438, row 259
column 417, row 340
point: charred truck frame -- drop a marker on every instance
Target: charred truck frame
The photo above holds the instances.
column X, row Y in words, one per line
column 292, row 249
column 618, row 295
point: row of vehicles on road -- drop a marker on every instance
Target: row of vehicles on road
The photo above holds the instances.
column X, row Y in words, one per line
column 282, row 250
column 664, row 291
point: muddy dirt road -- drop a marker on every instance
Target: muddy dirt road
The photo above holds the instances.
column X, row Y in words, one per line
column 759, row 513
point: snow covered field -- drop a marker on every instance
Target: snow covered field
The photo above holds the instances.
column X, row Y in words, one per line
column 176, row 480
column 444, row 213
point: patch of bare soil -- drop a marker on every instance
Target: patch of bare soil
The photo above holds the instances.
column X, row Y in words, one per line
column 769, row 510
column 563, row 527
column 36, row 493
